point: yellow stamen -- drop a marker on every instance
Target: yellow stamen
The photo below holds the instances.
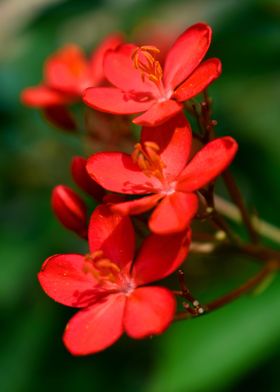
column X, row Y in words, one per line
column 148, row 159
column 144, row 60
column 100, row 267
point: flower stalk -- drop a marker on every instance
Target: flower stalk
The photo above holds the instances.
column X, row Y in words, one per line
column 269, row 268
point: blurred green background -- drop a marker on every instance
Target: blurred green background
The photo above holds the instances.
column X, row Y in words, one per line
column 234, row 349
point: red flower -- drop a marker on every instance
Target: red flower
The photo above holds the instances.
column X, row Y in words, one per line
column 158, row 168
column 66, row 74
column 107, row 284
column 140, row 84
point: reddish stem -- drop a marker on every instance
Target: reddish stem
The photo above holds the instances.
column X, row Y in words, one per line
column 237, row 198
column 236, row 293
column 207, row 125
column 245, row 287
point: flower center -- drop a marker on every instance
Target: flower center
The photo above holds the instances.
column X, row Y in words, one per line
column 170, row 188
column 108, row 274
column 148, row 159
column 144, row 60
column 101, row 268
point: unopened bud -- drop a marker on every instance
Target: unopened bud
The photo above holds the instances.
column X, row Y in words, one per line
column 220, row 235
column 83, row 179
column 69, row 209
column 209, row 210
column 60, row 117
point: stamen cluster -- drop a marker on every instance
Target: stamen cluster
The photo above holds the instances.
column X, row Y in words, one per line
column 148, row 159
column 144, row 60
column 101, row 268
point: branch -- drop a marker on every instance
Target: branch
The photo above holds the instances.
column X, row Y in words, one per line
column 263, row 228
column 252, row 282
column 237, row 198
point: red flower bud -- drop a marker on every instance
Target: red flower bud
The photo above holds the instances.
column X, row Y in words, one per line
column 60, row 117
column 84, row 181
column 69, row 209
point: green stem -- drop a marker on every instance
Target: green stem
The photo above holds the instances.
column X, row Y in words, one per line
column 263, row 228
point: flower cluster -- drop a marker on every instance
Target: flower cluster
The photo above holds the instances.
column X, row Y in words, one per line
column 167, row 172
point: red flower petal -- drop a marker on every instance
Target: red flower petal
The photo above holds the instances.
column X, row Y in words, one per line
column 158, row 113
column 67, row 70
column 113, row 100
column 137, row 206
column 112, row 233
column 207, row 164
column 120, row 71
column 149, row 311
column 62, row 278
column 96, row 328
column 60, row 117
column 42, row 96
column 159, row 256
column 186, row 53
column 70, row 209
column 174, row 138
column 83, row 180
column 97, row 58
column 204, row 74
column 174, row 213
column 116, row 172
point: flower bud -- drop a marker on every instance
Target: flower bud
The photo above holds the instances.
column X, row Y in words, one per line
column 69, row 209
column 84, row 181
column 60, row 117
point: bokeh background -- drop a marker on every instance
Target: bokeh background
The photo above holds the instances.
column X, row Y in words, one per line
column 234, row 349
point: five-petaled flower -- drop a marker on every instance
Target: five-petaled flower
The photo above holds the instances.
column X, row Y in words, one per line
column 108, row 285
column 158, row 169
column 67, row 73
column 141, row 85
